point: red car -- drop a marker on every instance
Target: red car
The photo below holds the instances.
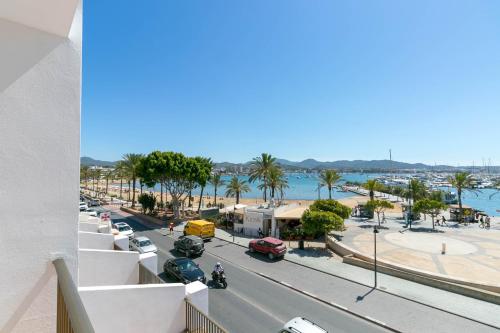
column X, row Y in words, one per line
column 273, row 247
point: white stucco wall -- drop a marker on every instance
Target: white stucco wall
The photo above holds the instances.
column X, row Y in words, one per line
column 97, row 241
column 88, row 226
column 108, row 268
column 150, row 260
column 39, row 161
column 149, row 308
column 197, row 293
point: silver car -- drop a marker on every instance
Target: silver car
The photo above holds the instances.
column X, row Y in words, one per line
column 142, row 245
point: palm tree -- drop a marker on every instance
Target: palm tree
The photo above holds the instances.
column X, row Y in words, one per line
column 216, row 182
column 329, row 178
column 236, row 187
column 131, row 163
column 372, row 185
column 260, row 168
column 418, row 190
column 84, row 174
column 120, row 172
column 96, row 177
column 108, row 174
column 276, row 180
column 462, row 181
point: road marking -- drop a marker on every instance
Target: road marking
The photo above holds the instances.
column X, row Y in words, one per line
column 258, row 307
column 339, row 306
column 376, row 320
column 286, row 284
column 309, row 294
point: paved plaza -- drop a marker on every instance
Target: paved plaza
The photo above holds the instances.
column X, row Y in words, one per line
column 472, row 253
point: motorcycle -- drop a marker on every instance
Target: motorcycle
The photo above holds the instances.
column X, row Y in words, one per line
column 219, row 279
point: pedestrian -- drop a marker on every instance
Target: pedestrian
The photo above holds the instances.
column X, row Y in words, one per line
column 383, row 217
column 171, row 227
column 260, row 233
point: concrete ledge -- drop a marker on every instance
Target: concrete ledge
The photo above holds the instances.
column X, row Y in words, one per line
column 146, row 218
column 480, row 294
column 482, row 291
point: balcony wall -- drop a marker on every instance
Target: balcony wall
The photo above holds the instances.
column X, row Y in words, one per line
column 95, row 240
column 108, row 268
column 141, row 308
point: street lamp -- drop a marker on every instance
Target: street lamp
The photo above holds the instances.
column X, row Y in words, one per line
column 375, row 232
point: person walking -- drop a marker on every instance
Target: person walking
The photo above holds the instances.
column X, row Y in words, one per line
column 171, row 228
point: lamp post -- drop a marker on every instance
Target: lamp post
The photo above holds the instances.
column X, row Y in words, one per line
column 375, row 232
column 409, row 203
column 234, row 218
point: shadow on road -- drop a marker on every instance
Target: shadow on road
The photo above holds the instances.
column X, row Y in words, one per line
column 312, row 252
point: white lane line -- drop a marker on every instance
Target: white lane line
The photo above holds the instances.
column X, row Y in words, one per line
column 338, row 305
column 258, row 307
column 286, row 284
column 309, row 294
column 375, row 320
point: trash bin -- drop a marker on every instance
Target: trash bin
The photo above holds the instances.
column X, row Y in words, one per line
column 301, row 244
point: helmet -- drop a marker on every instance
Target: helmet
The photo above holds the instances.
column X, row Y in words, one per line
column 217, row 264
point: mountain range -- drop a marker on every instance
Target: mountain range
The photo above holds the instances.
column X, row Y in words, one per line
column 313, row 164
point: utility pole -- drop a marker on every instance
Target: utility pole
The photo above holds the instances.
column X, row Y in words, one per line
column 375, row 232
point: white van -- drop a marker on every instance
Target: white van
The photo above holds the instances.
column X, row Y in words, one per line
column 302, row 325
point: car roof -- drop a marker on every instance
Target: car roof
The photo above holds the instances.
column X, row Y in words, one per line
column 272, row 240
column 195, row 238
column 142, row 238
column 180, row 259
column 304, row 325
column 200, row 222
column 121, row 223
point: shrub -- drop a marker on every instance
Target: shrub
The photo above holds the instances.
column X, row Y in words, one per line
column 331, row 206
column 148, row 202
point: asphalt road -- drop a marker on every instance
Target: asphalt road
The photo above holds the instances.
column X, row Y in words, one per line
column 252, row 303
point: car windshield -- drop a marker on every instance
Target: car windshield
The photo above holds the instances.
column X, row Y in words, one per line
column 145, row 243
column 124, row 228
column 187, row 266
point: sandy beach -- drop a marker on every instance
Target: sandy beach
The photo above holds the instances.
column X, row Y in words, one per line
column 114, row 189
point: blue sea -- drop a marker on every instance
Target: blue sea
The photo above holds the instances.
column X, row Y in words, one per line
column 304, row 187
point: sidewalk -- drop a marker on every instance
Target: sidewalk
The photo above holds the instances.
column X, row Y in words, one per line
column 325, row 261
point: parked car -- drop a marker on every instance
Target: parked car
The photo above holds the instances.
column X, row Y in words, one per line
column 184, row 270
column 83, row 206
column 124, row 229
column 273, row 247
column 189, row 245
column 302, row 325
column 201, row 228
column 94, row 202
column 142, row 244
column 91, row 212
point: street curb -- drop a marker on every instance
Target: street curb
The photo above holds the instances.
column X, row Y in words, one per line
column 332, row 304
column 381, row 290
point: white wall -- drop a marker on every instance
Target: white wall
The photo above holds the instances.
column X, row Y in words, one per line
column 89, row 227
column 197, row 293
column 147, row 308
column 39, row 162
column 97, row 241
column 150, row 261
column 107, row 268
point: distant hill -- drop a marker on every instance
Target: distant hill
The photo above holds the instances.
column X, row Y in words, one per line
column 89, row 161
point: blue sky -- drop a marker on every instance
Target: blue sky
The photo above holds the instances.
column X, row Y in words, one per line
column 327, row 80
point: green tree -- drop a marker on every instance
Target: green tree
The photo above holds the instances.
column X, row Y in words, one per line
column 378, row 206
column 329, row 178
column 121, row 174
column 417, row 189
column 236, row 188
column 260, row 168
column 148, row 202
column 331, row 206
column 429, row 207
column 202, row 175
column 372, row 185
column 461, row 181
column 216, row 182
column 96, row 177
column 316, row 222
column 132, row 163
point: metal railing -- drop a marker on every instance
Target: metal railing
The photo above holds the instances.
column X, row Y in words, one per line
column 198, row 322
column 71, row 314
column 148, row 277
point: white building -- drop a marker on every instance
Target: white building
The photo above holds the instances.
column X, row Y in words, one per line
column 55, row 278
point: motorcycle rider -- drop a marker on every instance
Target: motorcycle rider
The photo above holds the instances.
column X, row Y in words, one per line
column 217, row 274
